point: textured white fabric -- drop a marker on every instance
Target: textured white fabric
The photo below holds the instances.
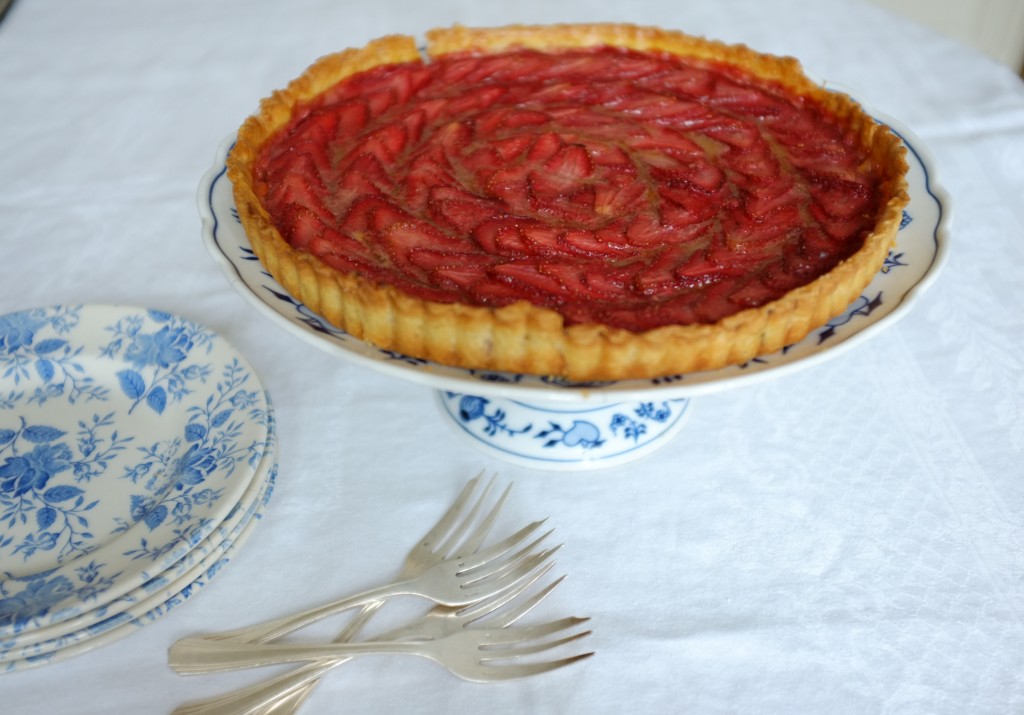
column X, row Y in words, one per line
column 847, row 539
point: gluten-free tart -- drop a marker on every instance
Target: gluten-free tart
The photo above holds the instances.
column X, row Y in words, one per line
column 588, row 201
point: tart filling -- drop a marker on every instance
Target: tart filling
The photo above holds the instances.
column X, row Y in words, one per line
column 595, row 202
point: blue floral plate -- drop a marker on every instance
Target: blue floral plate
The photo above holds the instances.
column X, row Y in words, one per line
column 155, row 597
column 127, row 436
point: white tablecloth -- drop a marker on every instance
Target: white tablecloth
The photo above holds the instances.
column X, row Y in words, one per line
column 846, row 539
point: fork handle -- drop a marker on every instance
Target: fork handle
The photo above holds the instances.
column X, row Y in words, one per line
column 285, row 692
column 190, row 656
column 274, row 628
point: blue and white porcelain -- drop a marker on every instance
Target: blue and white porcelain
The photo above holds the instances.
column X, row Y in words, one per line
column 156, row 597
column 127, row 438
column 564, row 435
column 34, row 647
column 912, row 266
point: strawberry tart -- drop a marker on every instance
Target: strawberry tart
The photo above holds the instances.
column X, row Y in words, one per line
column 594, row 202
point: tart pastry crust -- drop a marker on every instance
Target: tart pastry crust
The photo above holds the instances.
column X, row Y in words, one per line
column 527, row 338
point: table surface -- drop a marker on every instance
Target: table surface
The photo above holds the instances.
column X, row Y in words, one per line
column 846, row 539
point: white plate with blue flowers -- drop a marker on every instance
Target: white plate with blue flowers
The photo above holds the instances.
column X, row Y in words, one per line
column 126, row 437
column 156, row 597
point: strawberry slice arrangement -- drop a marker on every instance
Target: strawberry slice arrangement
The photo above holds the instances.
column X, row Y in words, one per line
column 612, row 186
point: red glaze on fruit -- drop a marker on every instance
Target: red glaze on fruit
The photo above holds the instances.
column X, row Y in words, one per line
column 634, row 190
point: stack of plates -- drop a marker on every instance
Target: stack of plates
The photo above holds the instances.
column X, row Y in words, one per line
column 137, row 452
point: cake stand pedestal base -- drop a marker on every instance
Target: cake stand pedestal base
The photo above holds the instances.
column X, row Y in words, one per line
column 563, row 435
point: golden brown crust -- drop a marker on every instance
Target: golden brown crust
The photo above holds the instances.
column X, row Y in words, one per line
column 526, row 338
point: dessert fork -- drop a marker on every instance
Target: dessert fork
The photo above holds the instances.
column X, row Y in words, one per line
column 432, row 571
column 456, row 581
column 286, row 693
column 476, row 654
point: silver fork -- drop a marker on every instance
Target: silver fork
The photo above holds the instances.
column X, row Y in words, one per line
column 286, row 693
column 476, row 654
column 457, row 581
column 438, row 572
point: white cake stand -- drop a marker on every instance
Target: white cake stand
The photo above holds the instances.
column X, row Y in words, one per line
column 549, row 424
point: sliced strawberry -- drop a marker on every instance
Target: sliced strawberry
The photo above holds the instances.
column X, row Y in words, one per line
column 816, row 245
column 752, row 294
column 610, row 155
column 757, row 167
column 584, row 118
column 414, row 122
column 530, row 277
column 300, row 226
column 841, row 198
column 386, row 143
column 544, row 187
column 660, row 274
column 544, row 147
column 402, row 84
column 703, row 268
column 300, row 184
column 402, row 238
column 318, row 152
column 682, row 205
column 432, row 108
column 359, row 217
column 323, row 125
column 630, row 66
column 665, row 140
column 511, row 242
column 697, row 172
column 614, row 281
column 750, row 235
column 612, row 200
column 370, row 167
column 486, row 234
column 464, row 277
column 570, row 165
column 510, row 186
column 478, row 165
column 379, row 101
column 838, row 228
column 454, row 71
column 423, row 174
column 501, row 291
column 352, row 118
column 430, row 259
column 589, row 244
column 520, row 117
column 541, row 239
column 765, row 198
column 453, row 137
column 468, row 103
column 461, row 211
column 736, row 134
column 681, row 81
column 330, row 243
column 647, row 230
column 655, row 108
column 587, row 283
column 511, row 148
column 748, row 101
